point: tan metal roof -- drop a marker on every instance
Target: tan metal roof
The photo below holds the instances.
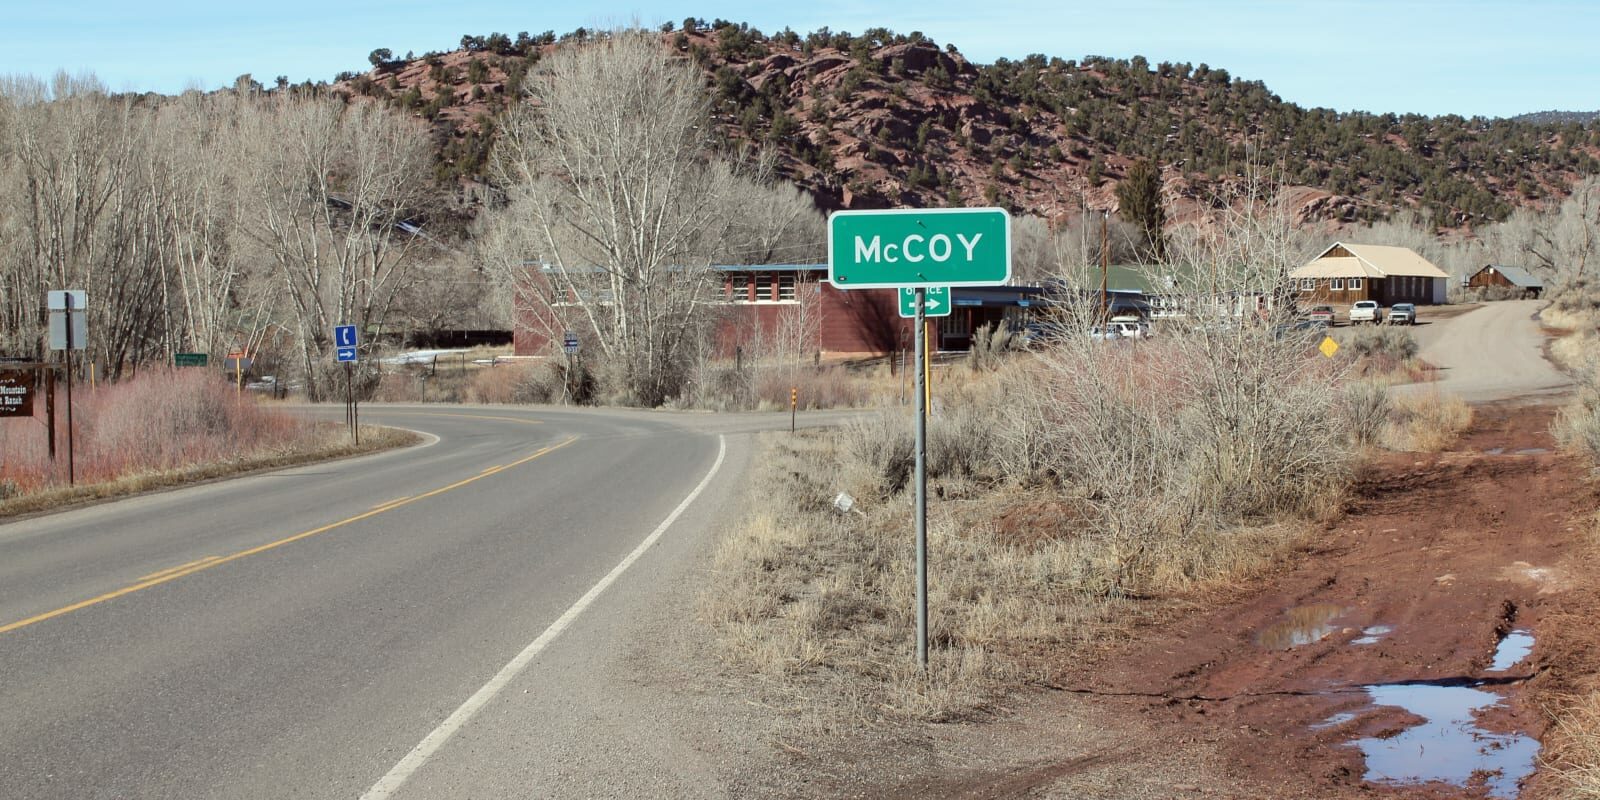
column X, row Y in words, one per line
column 1336, row 267
column 1369, row 260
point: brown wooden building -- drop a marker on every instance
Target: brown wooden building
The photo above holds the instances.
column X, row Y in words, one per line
column 1513, row 278
column 1345, row 273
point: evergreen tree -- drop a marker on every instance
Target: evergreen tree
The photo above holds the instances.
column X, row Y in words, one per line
column 1139, row 197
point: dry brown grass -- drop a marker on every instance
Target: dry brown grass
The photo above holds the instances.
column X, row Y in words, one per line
column 1576, row 351
column 1424, row 422
column 332, row 441
column 1061, row 490
column 1574, row 761
column 1577, row 426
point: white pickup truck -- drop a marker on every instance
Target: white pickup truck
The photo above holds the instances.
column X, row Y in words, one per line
column 1365, row 311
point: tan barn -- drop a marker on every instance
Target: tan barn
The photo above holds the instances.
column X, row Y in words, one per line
column 1345, row 273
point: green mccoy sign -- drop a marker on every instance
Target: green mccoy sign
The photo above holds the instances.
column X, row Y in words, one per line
column 919, row 247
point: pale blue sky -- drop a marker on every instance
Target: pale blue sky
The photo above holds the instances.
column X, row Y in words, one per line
column 1427, row 56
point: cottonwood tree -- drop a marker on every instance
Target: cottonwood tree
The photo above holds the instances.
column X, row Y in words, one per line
column 617, row 205
column 192, row 168
column 78, row 215
column 327, row 192
column 1562, row 243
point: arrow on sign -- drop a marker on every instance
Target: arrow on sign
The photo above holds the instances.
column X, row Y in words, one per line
column 935, row 304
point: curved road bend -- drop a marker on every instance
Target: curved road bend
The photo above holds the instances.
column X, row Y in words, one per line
column 1490, row 353
column 296, row 634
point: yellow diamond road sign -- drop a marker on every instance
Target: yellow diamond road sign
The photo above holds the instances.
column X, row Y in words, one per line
column 1328, row 346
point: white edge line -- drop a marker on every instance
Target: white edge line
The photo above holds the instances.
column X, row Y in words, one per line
column 430, row 744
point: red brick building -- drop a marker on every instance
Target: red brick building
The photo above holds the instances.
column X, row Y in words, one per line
column 795, row 303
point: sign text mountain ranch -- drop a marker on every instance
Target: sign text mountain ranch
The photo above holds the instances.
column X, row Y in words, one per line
column 919, row 247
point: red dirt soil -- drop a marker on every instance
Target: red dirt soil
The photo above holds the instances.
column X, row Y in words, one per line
column 1451, row 550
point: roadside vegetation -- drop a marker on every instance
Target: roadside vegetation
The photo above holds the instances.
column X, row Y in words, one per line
column 162, row 428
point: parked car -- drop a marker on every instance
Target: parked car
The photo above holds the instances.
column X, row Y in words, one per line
column 1402, row 314
column 1106, row 334
column 1129, row 327
column 1039, row 333
column 1322, row 314
column 1366, row 311
column 1298, row 328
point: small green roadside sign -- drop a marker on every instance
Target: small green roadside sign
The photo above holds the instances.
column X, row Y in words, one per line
column 189, row 359
column 937, row 303
column 911, row 247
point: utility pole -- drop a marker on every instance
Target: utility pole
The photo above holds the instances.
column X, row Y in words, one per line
column 1105, row 264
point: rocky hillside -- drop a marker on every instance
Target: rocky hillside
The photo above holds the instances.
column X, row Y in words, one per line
column 885, row 119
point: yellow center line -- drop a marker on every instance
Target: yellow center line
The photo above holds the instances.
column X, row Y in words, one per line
column 478, row 416
column 493, row 469
column 168, row 570
column 387, row 503
column 209, row 562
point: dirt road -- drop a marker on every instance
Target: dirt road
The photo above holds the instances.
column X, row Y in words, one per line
column 1354, row 668
column 1491, row 353
column 1413, row 647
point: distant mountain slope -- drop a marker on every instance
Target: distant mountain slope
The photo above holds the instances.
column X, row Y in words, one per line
column 887, row 119
column 1558, row 117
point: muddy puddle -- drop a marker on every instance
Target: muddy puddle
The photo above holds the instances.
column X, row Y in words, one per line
column 1511, row 650
column 1449, row 745
column 1301, row 625
column 1372, row 634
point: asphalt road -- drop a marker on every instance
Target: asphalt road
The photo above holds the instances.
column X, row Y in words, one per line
column 1490, row 353
column 299, row 633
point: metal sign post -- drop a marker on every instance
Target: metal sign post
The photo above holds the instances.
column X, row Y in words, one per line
column 67, row 329
column 914, row 251
column 569, row 345
column 922, row 483
column 345, row 342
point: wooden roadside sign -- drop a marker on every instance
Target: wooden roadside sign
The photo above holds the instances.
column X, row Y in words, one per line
column 16, row 393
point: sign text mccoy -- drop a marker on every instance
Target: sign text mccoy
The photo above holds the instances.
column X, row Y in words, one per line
column 919, row 247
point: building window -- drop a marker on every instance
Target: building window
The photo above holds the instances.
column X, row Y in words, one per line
column 739, row 291
column 786, row 287
column 1336, row 284
column 1355, row 284
column 764, row 287
column 1308, row 284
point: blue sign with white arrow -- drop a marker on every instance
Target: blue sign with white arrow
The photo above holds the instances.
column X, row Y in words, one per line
column 344, row 340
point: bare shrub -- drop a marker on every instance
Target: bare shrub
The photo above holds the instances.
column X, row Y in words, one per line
column 1425, row 422
column 1380, row 341
column 990, row 343
column 163, row 419
column 1366, row 406
column 1578, row 351
column 1575, row 305
column 515, row 383
column 824, row 386
column 1577, row 426
column 878, row 454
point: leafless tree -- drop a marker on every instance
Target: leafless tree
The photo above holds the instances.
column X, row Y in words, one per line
column 618, row 205
column 78, row 216
column 328, row 194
